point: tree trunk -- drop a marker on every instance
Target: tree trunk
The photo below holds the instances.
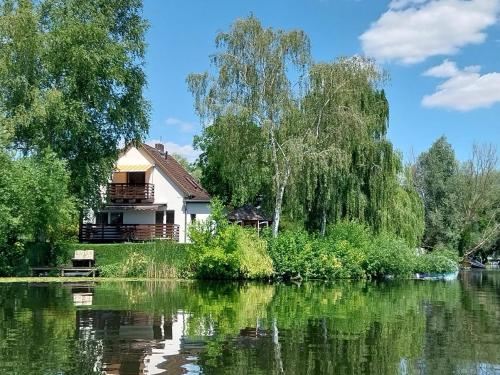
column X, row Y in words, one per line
column 323, row 222
column 277, row 208
column 277, row 347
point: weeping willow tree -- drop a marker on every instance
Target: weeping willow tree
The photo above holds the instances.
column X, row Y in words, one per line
column 252, row 81
column 350, row 168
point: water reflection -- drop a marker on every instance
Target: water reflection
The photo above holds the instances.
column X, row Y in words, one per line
column 410, row 327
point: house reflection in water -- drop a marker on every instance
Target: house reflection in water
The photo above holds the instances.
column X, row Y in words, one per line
column 136, row 343
column 82, row 294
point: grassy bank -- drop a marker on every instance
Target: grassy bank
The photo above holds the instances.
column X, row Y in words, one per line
column 160, row 259
column 347, row 251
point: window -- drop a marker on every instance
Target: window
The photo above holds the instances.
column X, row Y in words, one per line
column 193, row 218
column 159, row 217
column 170, row 217
column 116, row 218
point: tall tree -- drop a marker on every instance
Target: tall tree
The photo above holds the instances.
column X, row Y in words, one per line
column 254, row 67
column 233, row 160
column 350, row 166
column 71, row 79
column 436, row 180
column 478, row 198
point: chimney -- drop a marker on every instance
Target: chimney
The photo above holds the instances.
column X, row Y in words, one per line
column 160, row 147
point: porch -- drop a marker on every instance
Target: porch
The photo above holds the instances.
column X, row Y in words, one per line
column 128, row 232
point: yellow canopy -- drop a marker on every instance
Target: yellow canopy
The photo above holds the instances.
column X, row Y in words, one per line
column 133, row 168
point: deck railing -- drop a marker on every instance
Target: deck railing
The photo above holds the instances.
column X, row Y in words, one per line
column 128, row 232
column 131, row 193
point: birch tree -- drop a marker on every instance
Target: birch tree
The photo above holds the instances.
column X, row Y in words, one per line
column 252, row 79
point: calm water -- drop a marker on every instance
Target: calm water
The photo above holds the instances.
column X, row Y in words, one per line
column 411, row 327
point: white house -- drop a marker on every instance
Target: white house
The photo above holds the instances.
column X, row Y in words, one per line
column 150, row 195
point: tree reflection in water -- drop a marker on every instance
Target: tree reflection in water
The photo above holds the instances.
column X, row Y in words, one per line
column 397, row 327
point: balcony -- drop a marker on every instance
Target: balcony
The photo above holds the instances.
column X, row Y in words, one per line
column 128, row 232
column 131, row 193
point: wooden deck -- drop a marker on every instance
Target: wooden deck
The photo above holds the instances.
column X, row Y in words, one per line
column 65, row 271
column 128, row 232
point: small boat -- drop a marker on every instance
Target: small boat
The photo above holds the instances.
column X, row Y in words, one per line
column 472, row 263
column 447, row 276
column 476, row 264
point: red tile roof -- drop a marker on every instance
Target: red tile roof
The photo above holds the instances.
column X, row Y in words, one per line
column 176, row 172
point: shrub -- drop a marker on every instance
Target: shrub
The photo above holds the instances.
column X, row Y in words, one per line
column 388, row 255
column 255, row 263
column 437, row 261
column 351, row 250
column 339, row 254
column 219, row 250
column 290, row 253
column 357, row 235
column 13, row 260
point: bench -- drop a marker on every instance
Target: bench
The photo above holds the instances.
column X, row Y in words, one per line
column 83, row 258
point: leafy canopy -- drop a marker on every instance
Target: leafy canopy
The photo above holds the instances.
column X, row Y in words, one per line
column 71, row 80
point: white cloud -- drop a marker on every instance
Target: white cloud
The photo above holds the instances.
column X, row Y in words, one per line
column 183, row 126
column 464, row 89
column 444, row 70
column 400, row 4
column 173, row 148
column 413, row 30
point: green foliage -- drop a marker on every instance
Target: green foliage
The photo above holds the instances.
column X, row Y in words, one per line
column 251, row 100
column 478, row 198
column 387, row 255
column 13, row 259
column 71, row 79
column 349, row 167
column 436, row 262
column 461, row 200
column 436, row 180
column 135, row 265
column 405, row 214
column 319, row 153
column 220, row 250
column 35, row 206
column 350, row 250
column 233, row 159
column 337, row 255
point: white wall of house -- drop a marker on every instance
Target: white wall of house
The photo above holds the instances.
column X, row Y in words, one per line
column 201, row 210
column 132, row 157
column 198, row 208
column 166, row 193
column 139, row 217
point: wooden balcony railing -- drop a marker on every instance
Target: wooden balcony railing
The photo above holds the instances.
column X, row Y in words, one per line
column 131, row 193
column 128, row 232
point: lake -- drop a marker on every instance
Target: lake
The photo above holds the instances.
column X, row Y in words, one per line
column 167, row 327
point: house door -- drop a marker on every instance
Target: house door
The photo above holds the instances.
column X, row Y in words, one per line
column 136, row 177
column 170, row 217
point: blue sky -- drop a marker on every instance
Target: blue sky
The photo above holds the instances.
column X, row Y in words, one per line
column 443, row 58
